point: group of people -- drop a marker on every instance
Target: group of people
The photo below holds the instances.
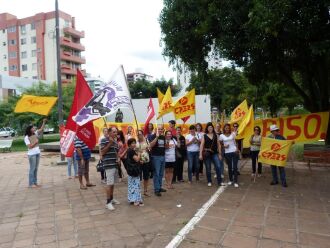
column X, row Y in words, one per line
column 160, row 153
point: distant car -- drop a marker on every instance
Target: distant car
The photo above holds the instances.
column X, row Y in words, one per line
column 48, row 129
column 7, row 132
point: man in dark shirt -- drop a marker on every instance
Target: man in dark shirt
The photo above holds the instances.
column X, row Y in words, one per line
column 157, row 144
column 275, row 134
column 180, row 157
column 83, row 154
column 109, row 151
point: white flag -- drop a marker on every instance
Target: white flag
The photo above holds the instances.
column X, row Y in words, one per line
column 107, row 100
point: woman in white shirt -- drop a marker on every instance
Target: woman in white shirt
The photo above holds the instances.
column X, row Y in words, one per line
column 199, row 134
column 193, row 144
column 170, row 161
column 231, row 153
column 32, row 142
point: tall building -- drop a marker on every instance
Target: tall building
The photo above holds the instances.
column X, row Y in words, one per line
column 133, row 77
column 28, row 46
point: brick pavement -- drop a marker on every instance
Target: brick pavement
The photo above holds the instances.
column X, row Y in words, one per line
column 255, row 215
column 260, row 215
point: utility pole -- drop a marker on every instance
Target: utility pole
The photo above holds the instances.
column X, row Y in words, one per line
column 58, row 57
column 59, row 80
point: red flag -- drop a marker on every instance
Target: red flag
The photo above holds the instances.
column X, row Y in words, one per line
column 151, row 114
column 185, row 119
column 82, row 95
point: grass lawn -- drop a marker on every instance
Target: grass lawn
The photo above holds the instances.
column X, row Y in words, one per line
column 19, row 145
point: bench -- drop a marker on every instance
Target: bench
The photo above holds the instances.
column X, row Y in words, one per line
column 317, row 153
column 5, row 145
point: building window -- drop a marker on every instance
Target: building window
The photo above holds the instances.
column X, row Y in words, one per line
column 34, row 66
column 23, row 29
column 24, row 55
column 4, row 43
column 5, row 68
column 24, row 67
column 66, row 23
column 13, row 68
column 4, row 56
column 33, row 40
column 12, row 55
column 23, row 41
column 3, row 31
column 12, row 29
column 34, row 77
column 33, row 26
column 34, row 53
column 12, row 42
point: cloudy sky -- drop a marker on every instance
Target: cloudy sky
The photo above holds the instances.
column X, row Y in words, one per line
column 116, row 32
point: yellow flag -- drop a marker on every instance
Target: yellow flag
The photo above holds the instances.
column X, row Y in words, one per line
column 246, row 127
column 166, row 105
column 274, row 152
column 160, row 96
column 35, row 104
column 185, row 106
column 239, row 112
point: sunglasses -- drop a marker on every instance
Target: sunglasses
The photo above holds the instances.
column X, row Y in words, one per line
column 235, row 126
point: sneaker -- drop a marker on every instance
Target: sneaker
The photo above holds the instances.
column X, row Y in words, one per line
column 162, row 190
column 253, row 175
column 209, row 184
column 110, row 206
column 103, row 181
column 236, row 185
column 238, row 173
column 215, row 176
column 222, row 176
column 222, row 184
column 115, row 202
column 158, row 194
column 229, row 183
column 285, row 185
column 273, row 183
column 259, row 175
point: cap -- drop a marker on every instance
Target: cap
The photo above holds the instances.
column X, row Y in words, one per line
column 273, row 128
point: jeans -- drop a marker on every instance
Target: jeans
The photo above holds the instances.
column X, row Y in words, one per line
column 73, row 162
column 254, row 157
column 282, row 174
column 33, row 172
column 193, row 161
column 217, row 166
column 232, row 161
column 158, row 162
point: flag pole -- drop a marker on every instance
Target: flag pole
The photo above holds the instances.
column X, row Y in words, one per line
column 105, row 122
column 130, row 98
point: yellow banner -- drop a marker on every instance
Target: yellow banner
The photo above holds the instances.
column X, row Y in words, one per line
column 274, row 152
column 167, row 104
column 308, row 127
column 244, row 129
column 185, row 106
column 239, row 112
column 35, row 104
column 160, row 96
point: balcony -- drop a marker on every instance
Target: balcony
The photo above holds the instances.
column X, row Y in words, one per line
column 72, row 58
column 74, row 33
column 68, row 43
column 66, row 69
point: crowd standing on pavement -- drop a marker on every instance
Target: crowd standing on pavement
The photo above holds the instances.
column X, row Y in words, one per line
column 159, row 154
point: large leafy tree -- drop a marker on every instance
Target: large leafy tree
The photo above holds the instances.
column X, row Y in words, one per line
column 283, row 41
column 143, row 88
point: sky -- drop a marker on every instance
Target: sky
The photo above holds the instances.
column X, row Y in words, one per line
column 117, row 32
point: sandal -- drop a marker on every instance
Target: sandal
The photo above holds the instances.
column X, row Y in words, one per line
column 146, row 194
column 90, row 185
column 83, row 187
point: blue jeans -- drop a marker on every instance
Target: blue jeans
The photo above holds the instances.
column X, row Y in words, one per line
column 193, row 161
column 73, row 162
column 158, row 162
column 232, row 161
column 33, row 172
column 282, row 174
column 217, row 166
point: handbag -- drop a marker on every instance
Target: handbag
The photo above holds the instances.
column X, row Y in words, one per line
column 99, row 166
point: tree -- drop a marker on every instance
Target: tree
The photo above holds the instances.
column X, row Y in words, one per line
column 143, row 88
column 284, row 41
column 19, row 121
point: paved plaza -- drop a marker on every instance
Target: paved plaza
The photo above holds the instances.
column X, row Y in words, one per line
column 255, row 215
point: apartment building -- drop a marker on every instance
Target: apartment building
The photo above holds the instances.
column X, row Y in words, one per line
column 28, row 46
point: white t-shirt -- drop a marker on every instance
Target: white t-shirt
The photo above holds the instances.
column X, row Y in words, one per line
column 230, row 140
column 170, row 152
column 35, row 150
column 194, row 147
